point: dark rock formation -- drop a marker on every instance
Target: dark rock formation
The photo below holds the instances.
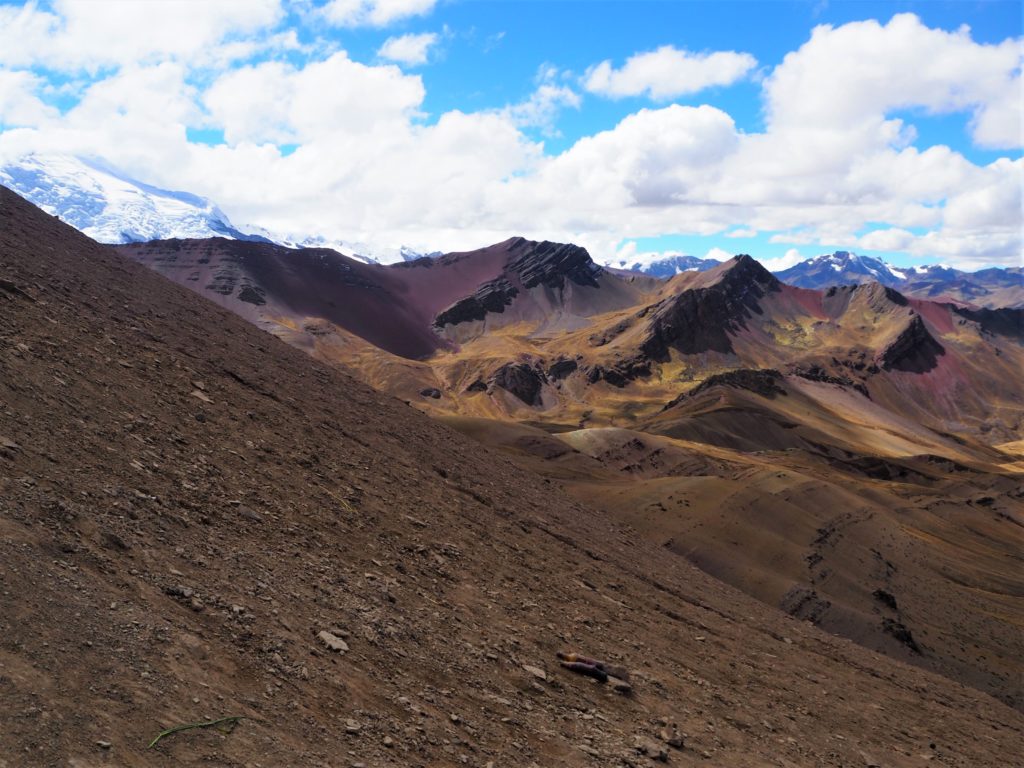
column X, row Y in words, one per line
column 903, row 635
column 915, row 350
column 521, row 380
column 551, row 264
column 432, row 392
column 766, row 382
column 530, row 264
column 817, row 373
column 492, row 296
column 620, row 374
column 803, row 602
column 477, row 386
column 562, row 368
column 886, row 598
column 1000, row 322
column 702, row 319
column 252, row 294
column 891, row 294
column 600, row 339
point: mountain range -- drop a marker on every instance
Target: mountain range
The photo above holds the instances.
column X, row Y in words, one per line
column 849, row 411
column 200, row 522
column 993, row 287
column 111, row 207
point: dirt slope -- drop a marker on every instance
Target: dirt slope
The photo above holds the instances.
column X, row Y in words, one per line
column 186, row 502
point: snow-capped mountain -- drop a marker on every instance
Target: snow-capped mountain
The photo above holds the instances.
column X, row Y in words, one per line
column 841, row 268
column 660, row 265
column 367, row 252
column 992, row 287
column 109, row 206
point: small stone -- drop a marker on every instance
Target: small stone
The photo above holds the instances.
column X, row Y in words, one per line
column 248, row 514
column 537, row 672
column 351, row 726
column 333, row 642
column 103, row 744
column 197, row 604
column 389, row 742
column 455, row 718
column 671, row 737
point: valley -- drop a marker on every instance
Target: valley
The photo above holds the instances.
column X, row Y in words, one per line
column 849, row 456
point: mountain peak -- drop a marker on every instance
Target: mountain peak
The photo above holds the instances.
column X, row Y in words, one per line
column 551, row 263
column 110, row 206
column 739, row 271
column 841, row 268
column 663, row 265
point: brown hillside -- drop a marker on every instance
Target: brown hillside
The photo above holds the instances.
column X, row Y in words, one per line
column 187, row 502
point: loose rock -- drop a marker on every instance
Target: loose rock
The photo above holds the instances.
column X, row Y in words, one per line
column 333, row 642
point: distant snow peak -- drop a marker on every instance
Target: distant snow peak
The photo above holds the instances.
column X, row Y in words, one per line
column 111, row 207
column 841, row 267
column 659, row 264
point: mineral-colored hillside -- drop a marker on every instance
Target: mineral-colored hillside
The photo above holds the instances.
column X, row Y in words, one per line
column 201, row 522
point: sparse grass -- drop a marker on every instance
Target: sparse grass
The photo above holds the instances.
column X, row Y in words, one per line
column 230, row 722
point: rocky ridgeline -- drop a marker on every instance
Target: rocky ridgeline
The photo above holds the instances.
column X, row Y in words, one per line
column 531, row 264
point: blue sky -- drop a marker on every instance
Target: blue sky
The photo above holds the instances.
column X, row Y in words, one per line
column 892, row 130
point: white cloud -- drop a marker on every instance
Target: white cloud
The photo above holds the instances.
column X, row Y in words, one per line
column 280, row 103
column 893, row 239
column 718, row 254
column 668, row 72
column 376, row 13
column 834, row 167
column 791, row 258
column 543, row 106
column 106, row 33
column 875, row 69
column 19, row 105
column 408, row 49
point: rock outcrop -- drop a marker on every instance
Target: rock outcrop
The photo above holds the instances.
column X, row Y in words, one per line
column 492, row 296
column 530, row 264
column 702, row 319
column 914, row 350
column 521, row 380
column 551, row 264
column 766, row 382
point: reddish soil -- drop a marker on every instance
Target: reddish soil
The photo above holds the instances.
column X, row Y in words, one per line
column 186, row 502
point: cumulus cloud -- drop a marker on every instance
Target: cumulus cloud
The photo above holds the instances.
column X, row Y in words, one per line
column 837, row 165
column 376, row 13
column 543, row 107
column 789, row 259
column 892, row 239
column 667, row 73
column 19, row 105
column 408, row 49
column 904, row 64
column 718, row 254
column 281, row 103
column 108, row 33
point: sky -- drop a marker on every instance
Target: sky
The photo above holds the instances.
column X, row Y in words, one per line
column 782, row 129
